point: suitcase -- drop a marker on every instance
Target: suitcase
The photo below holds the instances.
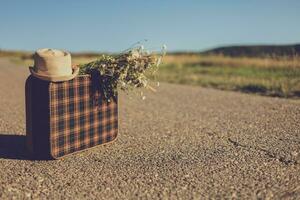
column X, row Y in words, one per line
column 67, row 117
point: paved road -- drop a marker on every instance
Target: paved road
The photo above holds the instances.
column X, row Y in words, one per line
column 181, row 142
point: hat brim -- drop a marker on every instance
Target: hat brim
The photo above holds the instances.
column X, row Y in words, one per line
column 54, row 78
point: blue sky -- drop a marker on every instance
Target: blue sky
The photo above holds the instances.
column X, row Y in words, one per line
column 113, row 26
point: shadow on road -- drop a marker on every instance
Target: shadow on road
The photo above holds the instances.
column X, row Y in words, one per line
column 13, row 147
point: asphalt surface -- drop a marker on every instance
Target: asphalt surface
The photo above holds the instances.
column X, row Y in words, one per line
column 182, row 142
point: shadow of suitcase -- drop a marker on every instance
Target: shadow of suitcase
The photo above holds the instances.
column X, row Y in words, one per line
column 63, row 118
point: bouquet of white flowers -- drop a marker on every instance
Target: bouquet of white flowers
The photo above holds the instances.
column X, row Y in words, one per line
column 123, row 71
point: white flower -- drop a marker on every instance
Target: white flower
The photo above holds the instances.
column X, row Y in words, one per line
column 164, row 47
column 158, row 61
column 135, row 54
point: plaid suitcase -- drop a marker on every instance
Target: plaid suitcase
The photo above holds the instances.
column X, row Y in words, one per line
column 63, row 117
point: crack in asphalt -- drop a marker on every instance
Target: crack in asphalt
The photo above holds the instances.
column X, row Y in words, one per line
column 282, row 159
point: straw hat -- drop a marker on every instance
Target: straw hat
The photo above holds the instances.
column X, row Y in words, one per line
column 53, row 65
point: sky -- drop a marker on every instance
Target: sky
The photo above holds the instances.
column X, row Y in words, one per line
column 115, row 25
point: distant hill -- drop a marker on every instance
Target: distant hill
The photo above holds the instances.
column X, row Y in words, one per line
column 256, row 50
column 233, row 51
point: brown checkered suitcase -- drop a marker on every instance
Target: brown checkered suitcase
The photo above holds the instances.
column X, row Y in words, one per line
column 63, row 117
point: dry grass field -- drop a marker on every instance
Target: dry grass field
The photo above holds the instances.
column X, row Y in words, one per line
column 271, row 76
